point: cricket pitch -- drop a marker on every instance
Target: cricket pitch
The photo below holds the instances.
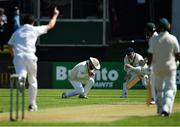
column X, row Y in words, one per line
column 89, row 113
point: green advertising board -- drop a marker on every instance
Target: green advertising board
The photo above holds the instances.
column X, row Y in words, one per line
column 110, row 76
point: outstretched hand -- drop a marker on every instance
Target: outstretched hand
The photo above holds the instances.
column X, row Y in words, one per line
column 56, row 11
column 53, row 19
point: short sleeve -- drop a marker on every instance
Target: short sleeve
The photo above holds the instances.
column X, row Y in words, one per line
column 11, row 40
column 41, row 30
column 176, row 46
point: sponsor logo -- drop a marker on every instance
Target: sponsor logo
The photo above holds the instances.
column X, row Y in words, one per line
column 104, row 78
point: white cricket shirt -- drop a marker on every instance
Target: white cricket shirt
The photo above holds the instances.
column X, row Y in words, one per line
column 134, row 61
column 80, row 72
column 163, row 47
column 24, row 39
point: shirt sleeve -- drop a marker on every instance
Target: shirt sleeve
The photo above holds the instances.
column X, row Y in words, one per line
column 136, row 69
column 41, row 30
column 11, row 40
column 150, row 49
column 176, row 46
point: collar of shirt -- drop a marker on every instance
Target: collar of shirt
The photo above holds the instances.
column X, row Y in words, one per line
column 164, row 32
column 130, row 59
column 28, row 25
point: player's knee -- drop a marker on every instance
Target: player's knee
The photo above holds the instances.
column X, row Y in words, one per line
column 34, row 85
column 32, row 80
column 80, row 90
column 145, row 81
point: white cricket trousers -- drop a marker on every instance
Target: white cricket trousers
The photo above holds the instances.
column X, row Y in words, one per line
column 79, row 89
column 165, row 88
column 26, row 66
column 152, row 86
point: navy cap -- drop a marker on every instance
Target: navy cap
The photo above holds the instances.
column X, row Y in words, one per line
column 129, row 51
column 163, row 23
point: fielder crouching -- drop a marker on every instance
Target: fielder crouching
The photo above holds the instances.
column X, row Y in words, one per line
column 82, row 74
column 131, row 59
column 135, row 74
column 141, row 72
column 137, row 69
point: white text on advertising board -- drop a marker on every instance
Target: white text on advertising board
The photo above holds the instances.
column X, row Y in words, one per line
column 104, row 78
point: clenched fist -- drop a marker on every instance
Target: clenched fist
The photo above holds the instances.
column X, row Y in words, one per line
column 56, row 11
column 91, row 73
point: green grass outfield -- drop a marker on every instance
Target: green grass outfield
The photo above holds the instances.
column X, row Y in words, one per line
column 50, row 98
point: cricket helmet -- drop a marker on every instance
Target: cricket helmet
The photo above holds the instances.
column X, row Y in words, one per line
column 150, row 26
column 163, row 23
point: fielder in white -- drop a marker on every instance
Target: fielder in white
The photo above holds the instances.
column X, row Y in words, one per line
column 163, row 53
column 23, row 42
column 133, row 67
column 150, row 31
column 82, row 74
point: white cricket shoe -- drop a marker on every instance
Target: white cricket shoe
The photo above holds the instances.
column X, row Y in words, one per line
column 152, row 102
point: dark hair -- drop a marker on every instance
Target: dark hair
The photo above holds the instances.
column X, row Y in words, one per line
column 28, row 19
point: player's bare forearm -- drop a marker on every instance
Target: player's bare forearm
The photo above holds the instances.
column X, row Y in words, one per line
column 53, row 20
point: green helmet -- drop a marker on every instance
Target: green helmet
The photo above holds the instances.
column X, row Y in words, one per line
column 150, row 26
column 163, row 23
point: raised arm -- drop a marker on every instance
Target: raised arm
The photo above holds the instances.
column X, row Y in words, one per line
column 53, row 20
